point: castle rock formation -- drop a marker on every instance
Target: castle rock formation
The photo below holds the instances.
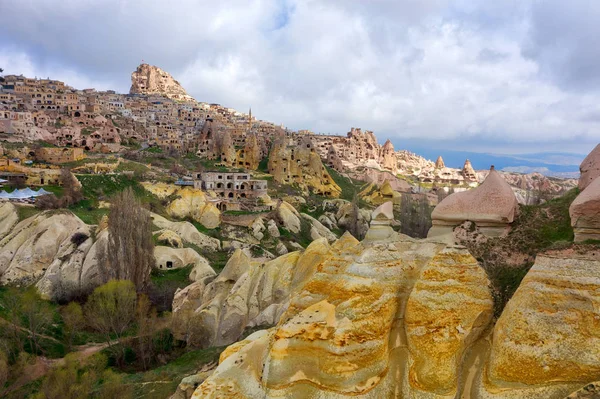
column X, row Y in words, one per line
column 151, row 80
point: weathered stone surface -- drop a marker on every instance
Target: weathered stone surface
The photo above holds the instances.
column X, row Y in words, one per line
column 288, row 217
column 549, row 331
column 189, row 202
column 585, row 213
column 447, row 310
column 149, row 79
column 492, row 206
column 245, row 294
column 39, row 250
column 338, row 334
column 589, row 168
column 170, row 238
column 272, row 228
column 8, row 218
column 187, row 232
column 317, row 230
column 290, row 163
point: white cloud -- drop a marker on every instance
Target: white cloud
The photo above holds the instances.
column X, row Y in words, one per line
column 407, row 69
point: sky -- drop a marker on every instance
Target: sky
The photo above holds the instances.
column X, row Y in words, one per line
column 511, row 76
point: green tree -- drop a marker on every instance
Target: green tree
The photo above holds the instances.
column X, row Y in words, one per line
column 72, row 316
column 68, row 381
column 110, row 310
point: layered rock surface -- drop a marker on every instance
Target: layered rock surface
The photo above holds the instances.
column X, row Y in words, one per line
column 585, row 213
column 589, row 168
column 392, row 317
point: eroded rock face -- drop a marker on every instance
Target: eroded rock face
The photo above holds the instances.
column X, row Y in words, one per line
column 8, row 218
column 149, row 80
column 448, row 309
column 590, row 168
column 585, row 213
column 187, row 232
column 187, row 202
column 492, row 206
column 550, row 329
column 301, row 164
column 344, row 331
column 40, row 250
column 44, row 250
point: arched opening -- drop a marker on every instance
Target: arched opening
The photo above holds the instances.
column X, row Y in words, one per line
column 219, row 185
column 77, row 114
column 229, row 185
column 230, row 195
column 243, row 187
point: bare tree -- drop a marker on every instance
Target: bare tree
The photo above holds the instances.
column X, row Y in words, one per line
column 71, row 191
column 415, row 215
column 128, row 253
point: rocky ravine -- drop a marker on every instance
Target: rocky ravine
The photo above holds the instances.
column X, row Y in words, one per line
column 393, row 317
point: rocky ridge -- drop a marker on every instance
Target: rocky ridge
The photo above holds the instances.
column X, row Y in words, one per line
column 396, row 317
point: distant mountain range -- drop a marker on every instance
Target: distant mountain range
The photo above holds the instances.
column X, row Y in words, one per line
column 565, row 165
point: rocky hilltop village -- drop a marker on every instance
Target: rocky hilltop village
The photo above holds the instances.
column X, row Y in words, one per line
column 154, row 246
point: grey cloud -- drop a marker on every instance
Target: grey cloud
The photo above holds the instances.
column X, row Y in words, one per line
column 423, row 69
column 564, row 39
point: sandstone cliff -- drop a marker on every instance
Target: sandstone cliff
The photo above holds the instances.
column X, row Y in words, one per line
column 151, row 80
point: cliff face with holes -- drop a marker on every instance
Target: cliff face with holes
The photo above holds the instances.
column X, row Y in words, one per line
column 301, row 165
column 149, row 79
column 393, row 317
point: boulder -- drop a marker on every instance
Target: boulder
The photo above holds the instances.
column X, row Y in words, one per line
column 288, row 217
column 187, row 232
column 170, row 238
column 589, row 168
column 272, row 228
column 381, row 220
column 548, row 335
column 491, row 206
column 317, row 230
column 585, row 213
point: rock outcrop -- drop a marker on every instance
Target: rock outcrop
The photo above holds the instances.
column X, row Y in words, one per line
column 400, row 318
column 301, row 165
column 187, row 202
column 176, row 258
column 585, row 213
column 41, row 250
column 151, row 80
column 186, row 231
column 589, row 168
column 491, row 206
column 549, row 333
column 343, row 333
column 245, row 294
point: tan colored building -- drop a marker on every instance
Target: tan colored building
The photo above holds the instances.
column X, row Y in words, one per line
column 59, row 155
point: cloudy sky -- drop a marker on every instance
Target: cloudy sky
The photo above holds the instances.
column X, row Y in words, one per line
column 503, row 76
